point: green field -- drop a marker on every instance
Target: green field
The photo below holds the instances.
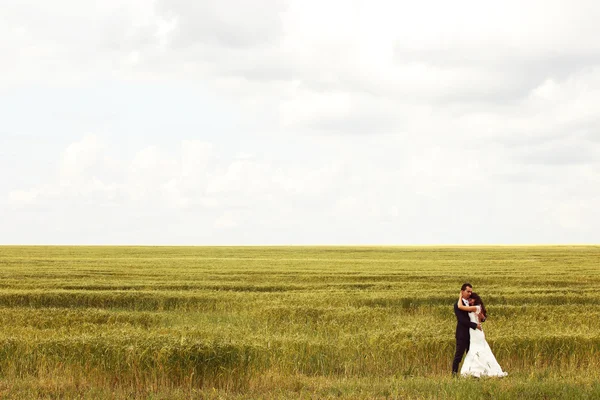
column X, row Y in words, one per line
column 293, row 322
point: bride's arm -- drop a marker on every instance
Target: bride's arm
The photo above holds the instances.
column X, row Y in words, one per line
column 461, row 306
column 463, row 319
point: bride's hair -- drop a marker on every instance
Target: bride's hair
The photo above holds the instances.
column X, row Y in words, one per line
column 479, row 302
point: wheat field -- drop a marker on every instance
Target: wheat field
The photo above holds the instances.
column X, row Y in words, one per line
column 293, row 322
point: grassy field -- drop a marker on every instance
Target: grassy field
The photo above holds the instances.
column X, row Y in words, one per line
column 293, row 322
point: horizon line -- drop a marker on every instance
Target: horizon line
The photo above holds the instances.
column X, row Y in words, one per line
column 304, row 245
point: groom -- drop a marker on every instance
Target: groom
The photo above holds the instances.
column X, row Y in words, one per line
column 463, row 325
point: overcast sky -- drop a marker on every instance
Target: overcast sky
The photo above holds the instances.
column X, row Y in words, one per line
column 200, row 122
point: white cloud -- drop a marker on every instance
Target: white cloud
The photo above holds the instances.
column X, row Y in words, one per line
column 223, row 22
column 23, row 198
column 394, row 111
column 79, row 158
column 352, row 198
column 226, row 221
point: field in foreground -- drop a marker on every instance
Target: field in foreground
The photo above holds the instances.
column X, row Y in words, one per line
column 293, row 322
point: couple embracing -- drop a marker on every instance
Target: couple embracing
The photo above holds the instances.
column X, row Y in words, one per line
column 470, row 313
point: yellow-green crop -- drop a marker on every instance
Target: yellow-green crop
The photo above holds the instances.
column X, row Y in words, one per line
column 289, row 322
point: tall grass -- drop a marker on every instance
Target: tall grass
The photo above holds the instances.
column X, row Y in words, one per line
column 190, row 321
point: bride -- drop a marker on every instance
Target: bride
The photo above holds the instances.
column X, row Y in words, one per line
column 480, row 360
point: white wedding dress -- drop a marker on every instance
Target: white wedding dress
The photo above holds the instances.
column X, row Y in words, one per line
column 480, row 360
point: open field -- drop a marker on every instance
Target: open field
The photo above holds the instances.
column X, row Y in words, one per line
column 290, row 322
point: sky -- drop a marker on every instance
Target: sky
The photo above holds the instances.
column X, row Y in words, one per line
column 299, row 122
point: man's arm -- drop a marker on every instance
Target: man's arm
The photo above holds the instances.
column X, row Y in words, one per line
column 482, row 317
column 464, row 319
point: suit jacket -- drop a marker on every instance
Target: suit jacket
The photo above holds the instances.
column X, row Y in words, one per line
column 463, row 323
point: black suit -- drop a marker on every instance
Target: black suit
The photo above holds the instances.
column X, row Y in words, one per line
column 463, row 336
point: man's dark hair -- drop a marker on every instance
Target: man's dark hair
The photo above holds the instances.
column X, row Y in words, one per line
column 465, row 286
